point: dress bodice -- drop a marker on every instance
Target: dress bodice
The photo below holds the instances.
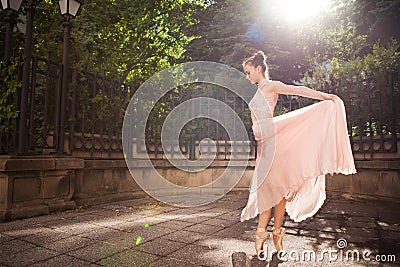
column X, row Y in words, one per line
column 262, row 106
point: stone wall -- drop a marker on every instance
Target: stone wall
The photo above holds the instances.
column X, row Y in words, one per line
column 377, row 179
column 31, row 186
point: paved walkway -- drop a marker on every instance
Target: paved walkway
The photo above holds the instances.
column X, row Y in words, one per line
column 144, row 232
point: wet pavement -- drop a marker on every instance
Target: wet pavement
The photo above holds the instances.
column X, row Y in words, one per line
column 144, row 232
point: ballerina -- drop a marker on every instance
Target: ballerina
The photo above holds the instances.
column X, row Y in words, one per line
column 309, row 143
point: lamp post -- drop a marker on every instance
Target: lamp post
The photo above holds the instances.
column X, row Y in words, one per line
column 69, row 9
column 11, row 7
column 22, row 136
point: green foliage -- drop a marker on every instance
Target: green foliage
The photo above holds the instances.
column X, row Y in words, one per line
column 230, row 31
column 363, row 83
column 8, row 87
column 128, row 38
column 132, row 38
column 378, row 19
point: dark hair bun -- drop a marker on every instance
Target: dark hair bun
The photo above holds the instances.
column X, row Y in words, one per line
column 258, row 59
column 259, row 55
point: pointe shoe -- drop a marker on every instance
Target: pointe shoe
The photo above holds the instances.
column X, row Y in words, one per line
column 261, row 237
column 278, row 236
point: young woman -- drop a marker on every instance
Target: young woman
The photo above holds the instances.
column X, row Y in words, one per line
column 292, row 162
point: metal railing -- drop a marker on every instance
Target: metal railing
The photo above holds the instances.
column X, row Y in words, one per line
column 91, row 124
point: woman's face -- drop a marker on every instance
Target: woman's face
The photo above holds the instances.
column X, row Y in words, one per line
column 253, row 74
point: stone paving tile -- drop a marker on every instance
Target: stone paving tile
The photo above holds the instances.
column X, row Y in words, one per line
column 39, row 220
column 26, row 230
column 14, row 246
column 13, row 225
column 184, row 236
column 349, row 207
column 148, row 209
column 63, row 260
column 48, row 236
column 175, row 224
column 151, row 219
column 5, row 238
column 322, row 214
column 360, row 222
column 214, row 212
column 147, row 233
column 109, row 221
column 78, row 228
column 386, row 215
column 154, row 232
column 290, row 231
column 79, row 211
column 28, row 257
column 108, row 213
column 133, row 226
column 359, row 235
column 58, row 222
column 203, row 256
column 314, row 234
column 161, row 246
column 61, row 221
column 130, row 203
column 69, row 244
column 169, row 216
column 149, row 212
column 204, row 228
column 131, row 213
column 389, row 242
column 91, row 217
column 287, row 223
column 96, row 251
column 107, row 234
column 170, row 262
column 182, row 212
column 167, row 208
column 235, row 231
column 130, row 258
column 320, row 224
column 230, row 216
column 219, row 222
column 228, row 245
column 109, row 218
column 128, row 234
column 388, row 227
column 193, row 218
column 199, row 209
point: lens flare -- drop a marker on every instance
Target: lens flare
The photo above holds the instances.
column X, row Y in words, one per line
column 139, row 239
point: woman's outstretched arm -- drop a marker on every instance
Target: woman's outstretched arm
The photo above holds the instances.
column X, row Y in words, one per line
column 282, row 88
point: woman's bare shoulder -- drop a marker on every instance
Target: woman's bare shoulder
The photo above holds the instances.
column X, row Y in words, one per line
column 271, row 87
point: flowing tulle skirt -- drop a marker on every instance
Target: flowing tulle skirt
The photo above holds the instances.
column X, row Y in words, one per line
column 309, row 143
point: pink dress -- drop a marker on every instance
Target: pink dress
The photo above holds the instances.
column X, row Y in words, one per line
column 295, row 151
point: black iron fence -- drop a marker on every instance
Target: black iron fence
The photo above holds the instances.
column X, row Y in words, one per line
column 91, row 121
column 91, row 124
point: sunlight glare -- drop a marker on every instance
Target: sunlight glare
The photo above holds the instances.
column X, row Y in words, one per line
column 294, row 10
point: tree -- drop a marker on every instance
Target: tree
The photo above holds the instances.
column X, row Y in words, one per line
column 378, row 20
column 230, row 31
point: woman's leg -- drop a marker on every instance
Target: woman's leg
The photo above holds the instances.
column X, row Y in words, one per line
column 279, row 213
column 278, row 232
column 261, row 234
column 263, row 219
